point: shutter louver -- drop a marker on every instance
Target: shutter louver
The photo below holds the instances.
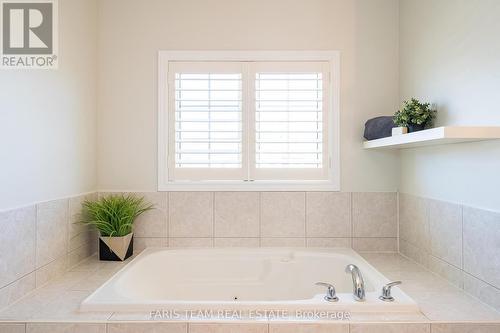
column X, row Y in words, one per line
column 208, row 120
column 289, row 120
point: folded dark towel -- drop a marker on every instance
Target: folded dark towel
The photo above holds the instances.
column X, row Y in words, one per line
column 378, row 127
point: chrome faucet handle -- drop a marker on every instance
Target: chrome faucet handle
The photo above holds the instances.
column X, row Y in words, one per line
column 331, row 295
column 386, row 291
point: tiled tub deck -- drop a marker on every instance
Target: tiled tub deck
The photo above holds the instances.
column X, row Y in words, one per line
column 444, row 308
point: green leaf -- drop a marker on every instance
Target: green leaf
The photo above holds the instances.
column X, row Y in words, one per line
column 114, row 215
column 414, row 112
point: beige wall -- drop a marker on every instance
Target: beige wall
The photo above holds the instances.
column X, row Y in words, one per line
column 48, row 118
column 365, row 31
column 450, row 55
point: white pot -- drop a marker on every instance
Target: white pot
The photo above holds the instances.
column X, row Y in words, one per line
column 399, row 130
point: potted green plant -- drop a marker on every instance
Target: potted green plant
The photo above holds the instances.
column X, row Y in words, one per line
column 414, row 115
column 113, row 216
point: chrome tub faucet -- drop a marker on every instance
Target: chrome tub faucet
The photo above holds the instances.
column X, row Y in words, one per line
column 358, row 284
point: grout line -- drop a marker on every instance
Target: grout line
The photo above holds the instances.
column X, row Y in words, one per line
column 108, row 319
column 167, row 217
column 305, row 216
column 16, row 280
column 462, row 247
column 213, row 217
column 169, row 200
column 36, row 240
column 351, row 219
column 260, row 219
column 485, row 282
column 4, row 210
column 68, row 227
column 397, row 221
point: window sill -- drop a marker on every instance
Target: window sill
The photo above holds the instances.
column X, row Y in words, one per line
column 250, row 186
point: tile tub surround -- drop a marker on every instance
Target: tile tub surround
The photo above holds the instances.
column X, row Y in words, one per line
column 459, row 243
column 444, row 308
column 244, row 328
column 39, row 243
column 363, row 221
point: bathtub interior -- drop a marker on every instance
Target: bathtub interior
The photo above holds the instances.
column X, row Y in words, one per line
column 235, row 275
column 242, row 278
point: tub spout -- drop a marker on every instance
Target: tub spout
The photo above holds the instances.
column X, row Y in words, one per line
column 358, row 284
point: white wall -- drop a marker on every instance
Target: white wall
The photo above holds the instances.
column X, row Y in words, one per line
column 48, row 118
column 131, row 32
column 450, row 55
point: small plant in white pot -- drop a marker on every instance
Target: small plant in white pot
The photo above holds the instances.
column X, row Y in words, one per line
column 415, row 115
column 114, row 217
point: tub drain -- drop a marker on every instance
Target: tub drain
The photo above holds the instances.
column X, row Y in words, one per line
column 235, row 298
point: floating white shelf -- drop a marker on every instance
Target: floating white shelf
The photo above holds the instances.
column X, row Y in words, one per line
column 436, row 136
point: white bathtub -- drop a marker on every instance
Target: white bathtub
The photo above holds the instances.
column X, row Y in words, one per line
column 242, row 279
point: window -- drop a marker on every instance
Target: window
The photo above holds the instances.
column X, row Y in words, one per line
column 290, row 111
column 206, row 121
column 243, row 121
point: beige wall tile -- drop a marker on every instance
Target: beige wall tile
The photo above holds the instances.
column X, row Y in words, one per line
column 17, row 289
column 392, row 262
column 17, row 243
column 148, row 328
column 190, row 214
column 83, row 238
column 237, row 242
column 78, row 234
column 451, row 273
column 445, row 227
column 414, row 253
column 190, row 242
column 141, row 243
column 466, row 328
column 374, row 214
column 414, row 220
column 482, row 245
column 390, row 328
column 152, row 223
column 308, row 328
column 51, row 231
column 283, row 242
column 65, row 328
column 328, row 214
column 375, row 244
column 93, row 242
column 329, row 242
column 283, row 214
column 482, row 290
column 79, row 254
column 228, row 328
column 237, row 214
column 12, row 328
column 51, row 271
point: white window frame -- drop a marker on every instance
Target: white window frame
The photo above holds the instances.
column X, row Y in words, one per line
column 333, row 182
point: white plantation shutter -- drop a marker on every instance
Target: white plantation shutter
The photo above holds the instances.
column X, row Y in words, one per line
column 207, row 121
column 290, row 125
column 248, row 121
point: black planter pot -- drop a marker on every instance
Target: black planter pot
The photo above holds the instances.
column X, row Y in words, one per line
column 415, row 128
column 123, row 248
